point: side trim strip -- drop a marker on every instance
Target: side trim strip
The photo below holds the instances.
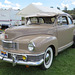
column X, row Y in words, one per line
column 64, row 47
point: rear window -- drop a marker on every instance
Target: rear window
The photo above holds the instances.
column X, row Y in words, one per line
column 70, row 20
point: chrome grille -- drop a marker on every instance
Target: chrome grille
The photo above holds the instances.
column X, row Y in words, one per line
column 35, row 58
column 10, row 45
column 18, row 57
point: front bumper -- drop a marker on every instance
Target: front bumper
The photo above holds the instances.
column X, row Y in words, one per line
column 32, row 60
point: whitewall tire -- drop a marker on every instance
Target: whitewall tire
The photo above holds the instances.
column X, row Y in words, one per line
column 48, row 58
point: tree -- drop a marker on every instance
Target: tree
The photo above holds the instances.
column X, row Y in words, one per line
column 65, row 8
column 23, row 18
column 74, row 9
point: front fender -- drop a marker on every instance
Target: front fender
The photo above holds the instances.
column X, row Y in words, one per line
column 44, row 41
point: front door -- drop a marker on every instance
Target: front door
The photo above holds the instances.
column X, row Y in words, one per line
column 65, row 31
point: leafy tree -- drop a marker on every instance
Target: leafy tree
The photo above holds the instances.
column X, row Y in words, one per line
column 65, row 8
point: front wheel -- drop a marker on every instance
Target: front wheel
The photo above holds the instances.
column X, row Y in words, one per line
column 48, row 58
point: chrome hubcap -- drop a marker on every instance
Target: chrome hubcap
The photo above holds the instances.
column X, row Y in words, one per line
column 48, row 57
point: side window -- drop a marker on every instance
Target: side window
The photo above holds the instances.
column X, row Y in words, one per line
column 70, row 20
column 62, row 20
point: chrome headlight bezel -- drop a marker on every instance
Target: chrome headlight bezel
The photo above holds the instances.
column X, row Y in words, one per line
column 31, row 46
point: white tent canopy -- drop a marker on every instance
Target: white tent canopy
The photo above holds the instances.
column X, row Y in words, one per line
column 38, row 10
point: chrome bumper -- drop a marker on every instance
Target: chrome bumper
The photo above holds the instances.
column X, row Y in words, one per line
column 14, row 61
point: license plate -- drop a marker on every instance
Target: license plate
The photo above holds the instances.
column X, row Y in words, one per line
column 4, row 53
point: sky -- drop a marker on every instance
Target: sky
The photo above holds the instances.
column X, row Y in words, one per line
column 20, row 4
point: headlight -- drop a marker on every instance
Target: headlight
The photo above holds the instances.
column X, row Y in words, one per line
column 31, row 47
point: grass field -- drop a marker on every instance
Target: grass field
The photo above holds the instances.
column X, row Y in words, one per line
column 63, row 64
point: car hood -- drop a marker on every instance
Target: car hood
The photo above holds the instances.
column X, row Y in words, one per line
column 16, row 32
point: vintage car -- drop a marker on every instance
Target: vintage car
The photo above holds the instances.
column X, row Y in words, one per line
column 39, row 41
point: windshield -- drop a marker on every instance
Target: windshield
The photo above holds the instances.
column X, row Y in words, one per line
column 40, row 20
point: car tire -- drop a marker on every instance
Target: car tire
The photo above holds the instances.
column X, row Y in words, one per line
column 48, row 58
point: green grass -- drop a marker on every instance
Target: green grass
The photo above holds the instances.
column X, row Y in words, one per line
column 63, row 64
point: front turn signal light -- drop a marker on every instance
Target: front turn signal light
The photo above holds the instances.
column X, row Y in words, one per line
column 24, row 57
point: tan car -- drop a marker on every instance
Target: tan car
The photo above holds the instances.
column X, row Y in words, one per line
column 36, row 43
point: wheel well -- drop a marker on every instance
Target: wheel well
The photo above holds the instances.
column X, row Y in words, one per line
column 53, row 49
